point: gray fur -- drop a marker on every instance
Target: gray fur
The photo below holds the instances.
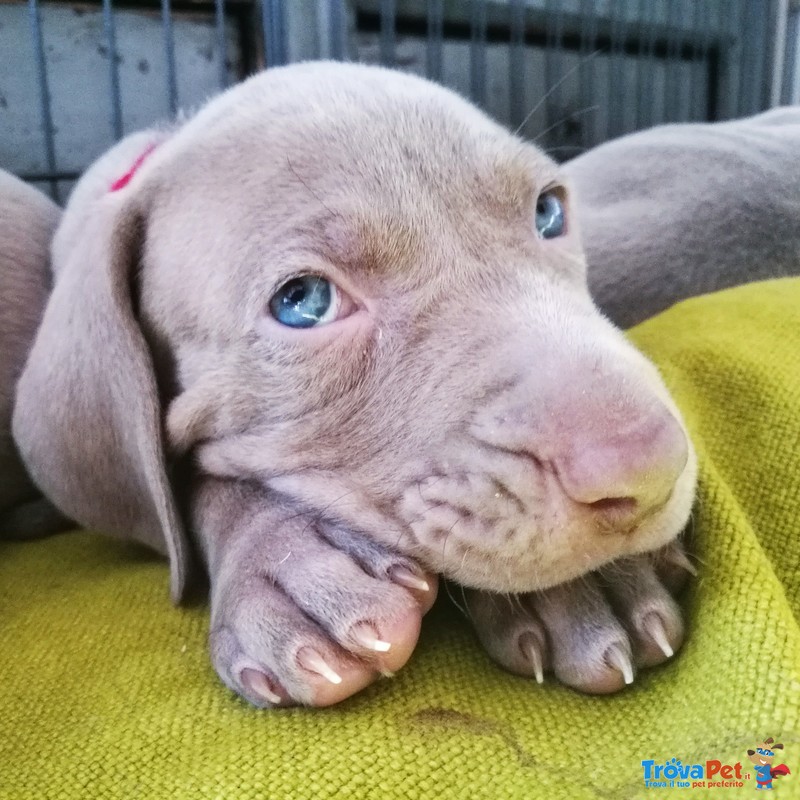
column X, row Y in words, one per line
column 471, row 414
column 27, row 222
column 681, row 210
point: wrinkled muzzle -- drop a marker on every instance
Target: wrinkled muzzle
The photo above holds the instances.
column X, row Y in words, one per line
column 579, row 459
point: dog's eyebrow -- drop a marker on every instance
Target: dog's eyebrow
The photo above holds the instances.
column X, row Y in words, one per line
column 361, row 242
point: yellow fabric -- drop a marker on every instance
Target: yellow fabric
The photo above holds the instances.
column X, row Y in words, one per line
column 107, row 691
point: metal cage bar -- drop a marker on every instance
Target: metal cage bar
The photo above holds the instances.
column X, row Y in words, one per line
column 778, row 38
column 272, row 24
column 433, row 51
column 338, row 30
column 388, row 33
column 586, row 72
column 169, row 53
column 477, row 51
column 113, row 69
column 609, row 66
column 44, row 94
column 516, row 63
column 219, row 42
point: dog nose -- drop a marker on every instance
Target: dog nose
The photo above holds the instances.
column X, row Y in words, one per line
column 625, row 476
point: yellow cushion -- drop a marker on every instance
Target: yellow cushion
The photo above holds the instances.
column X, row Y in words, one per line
column 106, row 690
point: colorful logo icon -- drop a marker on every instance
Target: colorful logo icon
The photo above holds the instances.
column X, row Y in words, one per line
column 763, row 757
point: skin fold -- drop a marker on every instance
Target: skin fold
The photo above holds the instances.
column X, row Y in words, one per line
column 467, row 411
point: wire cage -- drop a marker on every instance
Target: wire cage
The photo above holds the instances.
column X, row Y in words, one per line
column 76, row 75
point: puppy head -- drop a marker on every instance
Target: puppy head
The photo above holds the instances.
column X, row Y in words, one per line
column 764, row 753
column 361, row 292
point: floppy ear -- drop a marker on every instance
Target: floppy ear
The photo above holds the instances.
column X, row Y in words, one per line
column 87, row 418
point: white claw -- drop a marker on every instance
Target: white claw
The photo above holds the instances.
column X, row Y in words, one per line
column 258, row 683
column 620, row 660
column 364, row 636
column 531, row 649
column 653, row 625
column 405, row 577
column 312, row 660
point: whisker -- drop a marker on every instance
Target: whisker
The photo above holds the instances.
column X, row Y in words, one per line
column 444, row 544
column 466, row 603
column 319, row 512
column 555, row 86
column 453, row 599
column 307, row 186
column 571, row 115
column 403, row 532
column 515, row 601
column 442, row 571
column 463, row 559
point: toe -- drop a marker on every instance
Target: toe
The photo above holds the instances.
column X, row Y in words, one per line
column 262, row 689
column 591, row 651
column 511, row 633
column 376, row 620
column 386, row 644
column 382, row 563
column 423, row 586
column 332, row 675
column 646, row 609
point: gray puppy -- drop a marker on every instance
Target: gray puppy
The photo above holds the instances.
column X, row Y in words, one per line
column 27, row 222
column 337, row 326
column 681, row 210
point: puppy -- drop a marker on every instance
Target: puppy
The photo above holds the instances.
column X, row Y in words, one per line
column 680, row 210
column 336, row 328
column 27, row 222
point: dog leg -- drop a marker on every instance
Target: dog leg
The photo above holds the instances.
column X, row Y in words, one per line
column 301, row 610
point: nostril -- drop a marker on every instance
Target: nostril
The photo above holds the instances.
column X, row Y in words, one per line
column 622, row 513
column 622, row 506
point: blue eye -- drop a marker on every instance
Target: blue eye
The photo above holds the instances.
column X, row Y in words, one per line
column 305, row 302
column 549, row 216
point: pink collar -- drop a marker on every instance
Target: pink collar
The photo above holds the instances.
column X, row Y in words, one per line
column 121, row 183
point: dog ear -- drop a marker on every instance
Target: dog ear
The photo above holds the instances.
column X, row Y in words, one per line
column 87, row 417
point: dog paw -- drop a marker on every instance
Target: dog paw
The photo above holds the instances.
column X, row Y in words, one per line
column 306, row 613
column 593, row 632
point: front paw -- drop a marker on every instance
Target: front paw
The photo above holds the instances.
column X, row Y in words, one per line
column 593, row 632
column 303, row 612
